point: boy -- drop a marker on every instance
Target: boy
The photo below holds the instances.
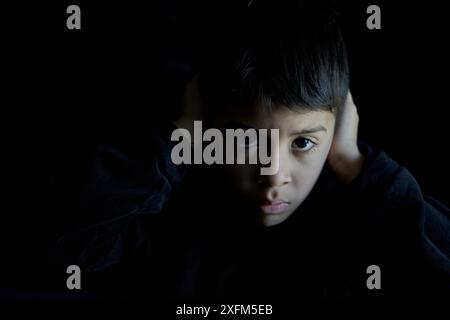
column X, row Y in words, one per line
column 334, row 209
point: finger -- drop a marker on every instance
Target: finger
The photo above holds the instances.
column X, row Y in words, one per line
column 349, row 99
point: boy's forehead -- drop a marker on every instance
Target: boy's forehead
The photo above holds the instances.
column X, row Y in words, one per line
column 283, row 118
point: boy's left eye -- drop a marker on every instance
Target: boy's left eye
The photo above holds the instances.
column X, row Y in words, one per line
column 303, row 144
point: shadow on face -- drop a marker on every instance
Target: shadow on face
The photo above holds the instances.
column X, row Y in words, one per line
column 305, row 139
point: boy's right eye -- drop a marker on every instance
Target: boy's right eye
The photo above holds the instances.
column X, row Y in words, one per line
column 248, row 142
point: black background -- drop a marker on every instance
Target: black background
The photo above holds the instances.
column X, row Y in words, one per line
column 65, row 91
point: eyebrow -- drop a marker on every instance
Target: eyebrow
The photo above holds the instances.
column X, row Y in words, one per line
column 237, row 125
column 307, row 131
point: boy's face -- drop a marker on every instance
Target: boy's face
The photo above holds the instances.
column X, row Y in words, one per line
column 304, row 142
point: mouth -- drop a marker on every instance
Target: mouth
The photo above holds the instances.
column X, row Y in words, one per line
column 273, row 207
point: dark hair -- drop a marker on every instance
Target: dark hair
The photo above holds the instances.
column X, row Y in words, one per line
column 292, row 55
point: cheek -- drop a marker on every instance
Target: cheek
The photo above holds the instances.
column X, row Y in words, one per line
column 242, row 177
column 304, row 179
column 309, row 170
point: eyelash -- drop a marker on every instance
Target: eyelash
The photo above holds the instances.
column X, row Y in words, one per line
column 248, row 145
column 297, row 149
column 312, row 143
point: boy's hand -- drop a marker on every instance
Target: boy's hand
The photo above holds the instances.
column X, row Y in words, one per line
column 344, row 157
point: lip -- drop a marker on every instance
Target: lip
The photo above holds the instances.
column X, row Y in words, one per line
column 273, row 207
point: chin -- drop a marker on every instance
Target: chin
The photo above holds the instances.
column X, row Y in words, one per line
column 270, row 220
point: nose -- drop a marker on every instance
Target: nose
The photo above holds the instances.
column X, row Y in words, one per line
column 281, row 177
column 277, row 180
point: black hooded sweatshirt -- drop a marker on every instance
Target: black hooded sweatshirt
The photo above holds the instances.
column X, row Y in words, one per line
column 167, row 231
